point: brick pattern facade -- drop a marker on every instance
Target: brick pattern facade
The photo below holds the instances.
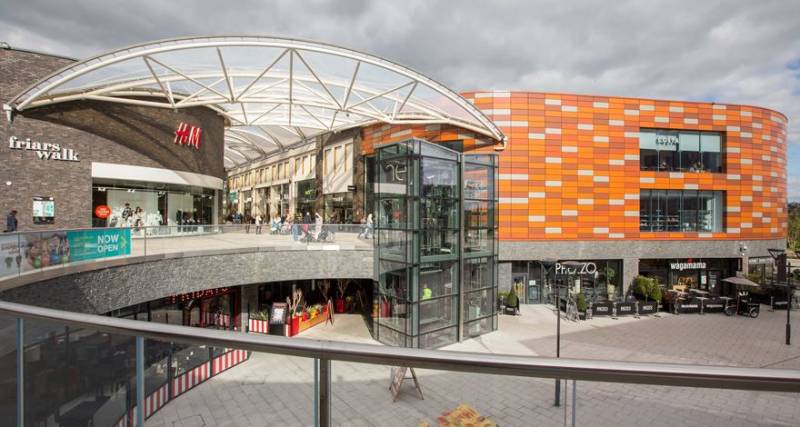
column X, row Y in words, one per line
column 571, row 169
column 96, row 131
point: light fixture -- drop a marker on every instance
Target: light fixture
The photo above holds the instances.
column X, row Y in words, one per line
column 8, row 182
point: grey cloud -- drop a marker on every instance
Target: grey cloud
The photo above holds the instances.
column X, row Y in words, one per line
column 731, row 51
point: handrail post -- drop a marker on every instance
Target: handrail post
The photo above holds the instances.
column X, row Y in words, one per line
column 139, row 381
column 20, row 373
column 322, row 392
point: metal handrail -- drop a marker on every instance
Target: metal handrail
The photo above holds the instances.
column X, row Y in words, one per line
column 762, row 379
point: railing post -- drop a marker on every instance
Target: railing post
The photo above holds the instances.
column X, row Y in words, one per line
column 20, row 373
column 139, row 381
column 322, row 392
column 574, row 401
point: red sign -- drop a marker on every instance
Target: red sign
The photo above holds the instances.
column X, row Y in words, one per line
column 173, row 299
column 188, row 135
column 102, row 211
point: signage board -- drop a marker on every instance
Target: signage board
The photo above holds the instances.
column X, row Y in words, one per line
column 680, row 266
column 667, row 141
column 44, row 210
column 351, row 188
column 575, row 268
column 99, row 243
column 188, row 135
column 102, row 211
column 398, row 376
column 44, row 150
column 173, row 299
column 278, row 315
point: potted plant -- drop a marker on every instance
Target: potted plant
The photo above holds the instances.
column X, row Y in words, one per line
column 611, row 289
column 259, row 322
column 342, row 285
column 294, row 303
column 580, row 302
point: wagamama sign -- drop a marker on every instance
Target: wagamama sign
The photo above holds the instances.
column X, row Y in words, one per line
column 44, row 150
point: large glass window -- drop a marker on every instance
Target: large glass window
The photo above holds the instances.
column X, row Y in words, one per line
column 681, row 210
column 687, row 151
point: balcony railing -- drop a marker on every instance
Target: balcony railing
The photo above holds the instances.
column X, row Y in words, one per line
column 37, row 251
column 67, row 367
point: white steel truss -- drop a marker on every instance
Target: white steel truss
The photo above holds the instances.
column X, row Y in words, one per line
column 273, row 92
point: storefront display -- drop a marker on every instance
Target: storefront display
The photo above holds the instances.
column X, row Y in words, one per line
column 339, row 208
column 143, row 206
column 683, row 275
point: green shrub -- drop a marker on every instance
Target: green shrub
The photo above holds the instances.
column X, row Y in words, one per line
column 502, row 296
column 655, row 291
column 754, row 277
column 580, row 301
column 261, row 315
column 512, row 300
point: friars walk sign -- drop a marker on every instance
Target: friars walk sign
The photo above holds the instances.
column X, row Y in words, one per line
column 44, row 150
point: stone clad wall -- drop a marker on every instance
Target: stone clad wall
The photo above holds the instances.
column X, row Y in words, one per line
column 107, row 289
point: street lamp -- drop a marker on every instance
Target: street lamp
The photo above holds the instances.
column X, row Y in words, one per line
column 780, row 255
column 548, row 265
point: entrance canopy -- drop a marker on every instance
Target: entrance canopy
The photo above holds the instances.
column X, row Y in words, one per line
column 274, row 92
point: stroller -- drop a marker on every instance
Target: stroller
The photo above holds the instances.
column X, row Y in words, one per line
column 326, row 235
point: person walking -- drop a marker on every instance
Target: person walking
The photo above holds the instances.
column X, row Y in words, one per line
column 258, row 224
column 11, row 222
column 306, row 223
column 317, row 225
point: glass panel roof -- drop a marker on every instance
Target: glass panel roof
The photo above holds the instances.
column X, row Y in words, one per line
column 273, row 92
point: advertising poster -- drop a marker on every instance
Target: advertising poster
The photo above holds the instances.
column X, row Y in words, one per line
column 99, row 243
column 45, row 249
column 9, row 255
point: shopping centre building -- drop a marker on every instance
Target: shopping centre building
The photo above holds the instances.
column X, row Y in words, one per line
column 398, row 199
column 591, row 190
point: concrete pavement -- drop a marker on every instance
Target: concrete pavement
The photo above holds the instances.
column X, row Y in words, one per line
column 278, row 390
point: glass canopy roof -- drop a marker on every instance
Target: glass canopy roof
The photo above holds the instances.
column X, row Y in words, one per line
column 273, row 92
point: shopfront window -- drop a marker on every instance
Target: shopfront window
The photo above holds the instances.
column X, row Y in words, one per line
column 150, row 206
column 681, row 210
column 306, row 195
column 686, row 151
column 339, row 208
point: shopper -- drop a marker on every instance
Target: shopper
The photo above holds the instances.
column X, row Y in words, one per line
column 247, row 221
column 294, row 225
column 317, row 225
column 306, row 222
column 369, row 228
column 258, row 224
column 11, row 222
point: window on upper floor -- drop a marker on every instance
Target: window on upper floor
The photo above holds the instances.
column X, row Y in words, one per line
column 680, row 151
column 681, row 210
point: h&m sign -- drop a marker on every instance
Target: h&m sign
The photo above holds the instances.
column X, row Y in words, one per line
column 44, row 150
column 189, row 135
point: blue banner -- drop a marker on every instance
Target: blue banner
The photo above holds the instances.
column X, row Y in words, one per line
column 99, row 243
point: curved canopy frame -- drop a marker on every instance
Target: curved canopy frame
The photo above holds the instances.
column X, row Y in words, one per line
column 274, row 92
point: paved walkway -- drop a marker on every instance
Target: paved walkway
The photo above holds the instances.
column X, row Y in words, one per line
column 278, row 390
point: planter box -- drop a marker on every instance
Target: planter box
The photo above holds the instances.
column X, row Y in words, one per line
column 602, row 309
column 625, row 308
column 307, row 323
column 294, row 326
column 713, row 305
column 339, row 305
column 648, row 307
column 258, row 326
column 689, row 307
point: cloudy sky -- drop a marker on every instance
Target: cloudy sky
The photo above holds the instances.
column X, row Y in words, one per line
column 727, row 51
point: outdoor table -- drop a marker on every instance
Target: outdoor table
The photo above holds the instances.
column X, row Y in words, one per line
column 725, row 301
column 699, row 292
column 701, row 299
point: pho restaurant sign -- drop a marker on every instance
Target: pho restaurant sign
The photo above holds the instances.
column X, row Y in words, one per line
column 680, row 266
column 44, row 150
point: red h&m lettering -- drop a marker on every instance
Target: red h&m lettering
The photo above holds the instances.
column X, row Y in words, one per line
column 188, row 135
